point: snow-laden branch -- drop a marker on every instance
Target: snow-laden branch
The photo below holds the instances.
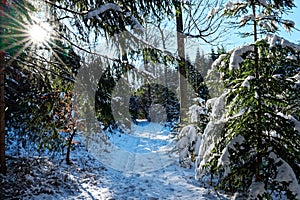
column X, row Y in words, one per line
column 218, row 62
column 245, row 18
column 246, row 82
column 286, row 174
column 231, row 6
column 103, row 9
column 256, row 189
column 292, row 119
column 275, row 40
column 217, row 106
column 195, row 111
column 135, row 23
column 224, row 159
column 237, row 4
column 288, row 24
column 112, row 6
column 236, row 56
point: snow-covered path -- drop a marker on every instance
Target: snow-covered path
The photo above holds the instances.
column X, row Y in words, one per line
column 139, row 165
column 145, row 148
column 88, row 178
column 172, row 182
column 92, row 180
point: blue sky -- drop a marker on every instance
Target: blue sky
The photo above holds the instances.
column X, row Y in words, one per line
column 293, row 36
column 235, row 40
column 295, row 16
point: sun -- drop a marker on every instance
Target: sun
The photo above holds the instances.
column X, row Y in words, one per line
column 40, row 33
column 35, row 36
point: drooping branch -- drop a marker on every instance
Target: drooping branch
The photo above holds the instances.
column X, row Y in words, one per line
column 96, row 13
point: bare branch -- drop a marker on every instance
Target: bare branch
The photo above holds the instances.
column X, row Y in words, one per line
column 66, row 9
column 204, row 21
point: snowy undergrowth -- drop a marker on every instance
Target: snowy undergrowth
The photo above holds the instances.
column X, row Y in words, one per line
column 194, row 146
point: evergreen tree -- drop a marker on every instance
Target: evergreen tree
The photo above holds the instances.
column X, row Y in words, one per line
column 202, row 63
column 151, row 94
column 220, row 50
column 108, row 19
column 9, row 46
column 256, row 154
column 190, row 70
column 213, row 55
column 39, row 78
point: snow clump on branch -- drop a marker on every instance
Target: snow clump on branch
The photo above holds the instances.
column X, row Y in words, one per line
column 286, row 174
column 111, row 6
column 236, row 56
column 224, row 159
column 275, row 40
column 246, row 82
column 288, row 24
column 212, row 13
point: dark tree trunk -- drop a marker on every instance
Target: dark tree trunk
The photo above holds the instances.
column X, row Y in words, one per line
column 259, row 148
column 182, row 74
column 3, row 168
column 69, row 145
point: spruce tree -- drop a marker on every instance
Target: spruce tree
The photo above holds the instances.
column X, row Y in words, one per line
column 10, row 45
column 38, row 79
column 256, row 154
column 202, row 63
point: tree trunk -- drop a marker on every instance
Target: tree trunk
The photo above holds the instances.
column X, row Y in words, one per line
column 69, row 145
column 259, row 106
column 2, row 114
column 182, row 76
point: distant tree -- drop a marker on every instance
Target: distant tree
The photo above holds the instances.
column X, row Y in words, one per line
column 213, row 55
column 202, row 63
column 151, row 94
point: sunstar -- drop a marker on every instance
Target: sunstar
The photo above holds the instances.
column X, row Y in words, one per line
column 40, row 33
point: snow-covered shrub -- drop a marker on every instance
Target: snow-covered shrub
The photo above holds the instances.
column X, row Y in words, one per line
column 211, row 134
column 188, row 140
column 190, row 136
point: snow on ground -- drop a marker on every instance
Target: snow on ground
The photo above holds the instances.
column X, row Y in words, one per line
column 145, row 148
column 149, row 137
column 46, row 177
